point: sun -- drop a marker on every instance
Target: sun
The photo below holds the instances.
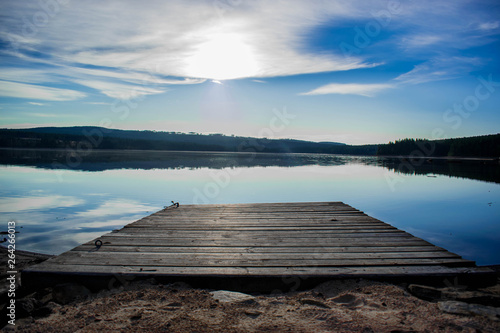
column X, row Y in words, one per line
column 223, row 56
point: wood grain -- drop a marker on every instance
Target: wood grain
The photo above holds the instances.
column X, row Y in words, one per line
column 271, row 239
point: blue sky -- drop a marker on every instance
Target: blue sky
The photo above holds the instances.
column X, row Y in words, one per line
column 349, row 71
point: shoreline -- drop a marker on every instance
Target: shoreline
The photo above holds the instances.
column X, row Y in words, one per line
column 23, row 259
column 443, row 158
column 407, row 157
column 333, row 306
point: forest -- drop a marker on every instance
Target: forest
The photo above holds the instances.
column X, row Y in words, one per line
column 85, row 138
column 477, row 146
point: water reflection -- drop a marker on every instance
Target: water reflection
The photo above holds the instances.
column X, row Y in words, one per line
column 101, row 160
column 57, row 209
column 36, row 202
column 485, row 170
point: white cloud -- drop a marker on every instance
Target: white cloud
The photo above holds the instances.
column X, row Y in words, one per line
column 150, row 78
column 195, row 40
column 36, row 103
column 124, row 85
column 489, row 25
column 440, row 68
column 368, row 90
column 421, row 40
column 119, row 90
column 117, row 207
column 43, row 115
column 99, row 103
column 121, row 84
column 27, row 75
column 37, row 203
column 180, row 42
column 29, row 91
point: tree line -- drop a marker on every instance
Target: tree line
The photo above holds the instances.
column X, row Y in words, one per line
column 477, row 146
column 68, row 138
column 74, row 138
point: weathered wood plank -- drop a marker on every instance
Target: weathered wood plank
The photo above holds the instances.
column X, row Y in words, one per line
column 233, row 249
column 263, row 217
column 261, row 221
column 165, row 261
column 371, row 271
column 242, row 224
column 288, row 242
column 251, row 234
column 302, row 239
column 101, row 255
column 161, row 227
column 217, row 262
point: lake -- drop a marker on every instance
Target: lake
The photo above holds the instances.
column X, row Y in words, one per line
column 60, row 199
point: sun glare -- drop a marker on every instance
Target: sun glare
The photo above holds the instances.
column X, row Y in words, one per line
column 223, row 56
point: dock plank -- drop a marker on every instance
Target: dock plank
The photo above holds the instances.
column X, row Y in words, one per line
column 328, row 272
column 253, row 249
column 324, row 239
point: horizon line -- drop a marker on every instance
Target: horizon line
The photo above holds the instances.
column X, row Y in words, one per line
column 241, row 136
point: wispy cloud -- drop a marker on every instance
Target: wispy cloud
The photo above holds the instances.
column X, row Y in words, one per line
column 418, row 41
column 489, row 25
column 440, row 68
column 174, row 35
column 181, row 42
column 151, row 77
column 367, row 90
column 27, row 75
column 30, row 91
column 36, row 103
column 119, row 90
column 115, row 84
column 99, row 103
column 43, row 115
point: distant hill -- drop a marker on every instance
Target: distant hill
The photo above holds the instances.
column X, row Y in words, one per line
column 84, row 137
column 89, row 137
column 476, row 146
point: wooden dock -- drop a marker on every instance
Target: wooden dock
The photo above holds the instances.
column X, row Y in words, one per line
column 271, row 240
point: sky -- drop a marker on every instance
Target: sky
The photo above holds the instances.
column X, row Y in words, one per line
column 357, row 72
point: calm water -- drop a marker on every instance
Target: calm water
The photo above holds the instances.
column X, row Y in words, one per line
column 60, row 201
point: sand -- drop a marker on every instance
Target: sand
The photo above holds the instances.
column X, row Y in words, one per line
column 335, row 306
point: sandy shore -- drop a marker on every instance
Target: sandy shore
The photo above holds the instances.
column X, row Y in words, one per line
column 334, row 306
